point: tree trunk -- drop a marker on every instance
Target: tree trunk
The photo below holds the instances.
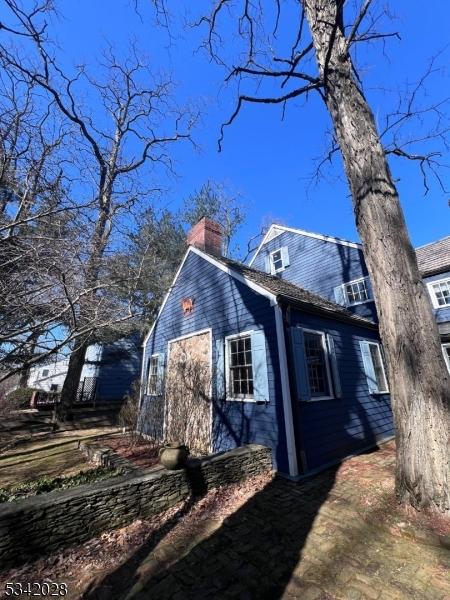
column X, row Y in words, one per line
column 76, row 361
column 63, row 410
column 419, row 381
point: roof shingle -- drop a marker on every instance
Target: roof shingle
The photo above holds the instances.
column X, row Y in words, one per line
column 291, row 292
column 434, row 257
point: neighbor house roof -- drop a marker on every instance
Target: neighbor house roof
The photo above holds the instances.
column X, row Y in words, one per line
column 434, row 257
column 292, row 293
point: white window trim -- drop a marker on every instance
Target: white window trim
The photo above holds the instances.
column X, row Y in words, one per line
column 149, row 360
column 446, row 356
column 433, row 294
column 228, row 396
column 344, row 290
column 378, row 345
column 272, row 264
column 327, row 366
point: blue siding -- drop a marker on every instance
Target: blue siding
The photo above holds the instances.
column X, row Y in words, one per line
column 118, row 368
column 318, row 265
column 442, row 314
column 332, row 429
column 228, row 307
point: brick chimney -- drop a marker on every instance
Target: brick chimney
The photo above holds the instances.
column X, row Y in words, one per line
column 206, row 235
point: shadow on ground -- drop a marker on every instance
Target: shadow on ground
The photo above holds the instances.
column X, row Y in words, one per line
column 252, row 554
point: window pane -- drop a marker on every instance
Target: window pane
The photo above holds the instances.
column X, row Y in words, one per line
column 357, row 291
column 442, row 292
column 378, row 367
column 315, row 360
column 277, row 260
column 240, row 367
column 152, row 387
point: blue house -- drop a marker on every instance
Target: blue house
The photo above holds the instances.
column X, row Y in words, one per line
column 108, row 373
column 434, row 264
column 290, row 366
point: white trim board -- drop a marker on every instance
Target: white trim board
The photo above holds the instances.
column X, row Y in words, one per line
column 286, row 393
column 326, row 238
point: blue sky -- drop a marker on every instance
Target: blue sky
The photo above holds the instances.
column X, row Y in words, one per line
column 267, row 160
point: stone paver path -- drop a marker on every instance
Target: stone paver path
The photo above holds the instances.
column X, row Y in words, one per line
column 337, row 536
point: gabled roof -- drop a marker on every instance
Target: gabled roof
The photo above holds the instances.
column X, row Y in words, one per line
column 291, row 293
column 434, row 257
column 269, row 286
column 275, row 230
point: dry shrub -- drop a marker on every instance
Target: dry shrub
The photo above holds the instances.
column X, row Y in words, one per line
column 128, row 414
column 187, row 394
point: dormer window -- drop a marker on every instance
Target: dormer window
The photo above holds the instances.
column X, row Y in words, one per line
column 440, row 293
column 278, row 260
column 358, row 291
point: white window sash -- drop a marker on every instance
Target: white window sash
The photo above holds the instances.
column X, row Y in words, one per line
column 432, row 292
column 348, row 302
column 327, row 366
column 446, row 355
column 230, row 396
column 149, row 373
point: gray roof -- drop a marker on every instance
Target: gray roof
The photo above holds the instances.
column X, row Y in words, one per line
column 294, row 294
column 435, row 257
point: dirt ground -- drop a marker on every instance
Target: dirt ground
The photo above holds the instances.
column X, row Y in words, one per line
column 139, row 452
column 338, row 536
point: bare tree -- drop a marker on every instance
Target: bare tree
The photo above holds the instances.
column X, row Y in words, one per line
column 127, row 126
column 320, row 59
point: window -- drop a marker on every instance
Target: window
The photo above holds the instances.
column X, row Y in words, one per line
column 278, row 260
column 317, row 364
column 440, row 293
column 152, row 382
column 45, row 373
column 378, row 367
column 240, row 367
column 446, row 351
column 54, row 387
column 374, row 367
column 356, row 291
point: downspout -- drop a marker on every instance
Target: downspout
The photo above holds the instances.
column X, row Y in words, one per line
column 286, row 392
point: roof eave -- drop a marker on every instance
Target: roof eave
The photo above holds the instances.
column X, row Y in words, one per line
column 329, row 314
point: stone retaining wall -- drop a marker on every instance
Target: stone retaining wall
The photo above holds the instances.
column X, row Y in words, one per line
column 104, row 456
column 39, row 525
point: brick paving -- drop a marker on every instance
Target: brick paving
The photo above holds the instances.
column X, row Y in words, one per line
column 337, row 536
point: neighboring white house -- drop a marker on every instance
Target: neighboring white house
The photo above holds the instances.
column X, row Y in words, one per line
column 50, row 376
column 108, row 371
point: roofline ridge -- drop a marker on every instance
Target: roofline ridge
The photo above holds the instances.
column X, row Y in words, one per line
column 446, row 237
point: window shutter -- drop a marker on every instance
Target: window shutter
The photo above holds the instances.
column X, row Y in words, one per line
column 219, row 369
column 385, row 367
column 368, row 367
column 285, row 256
column 369, row 287
column 301, row 371
column 259, row 365
column 334, row 366
column 145, row 375
column 161, row 372
column 339, row 295
column 267, row 264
